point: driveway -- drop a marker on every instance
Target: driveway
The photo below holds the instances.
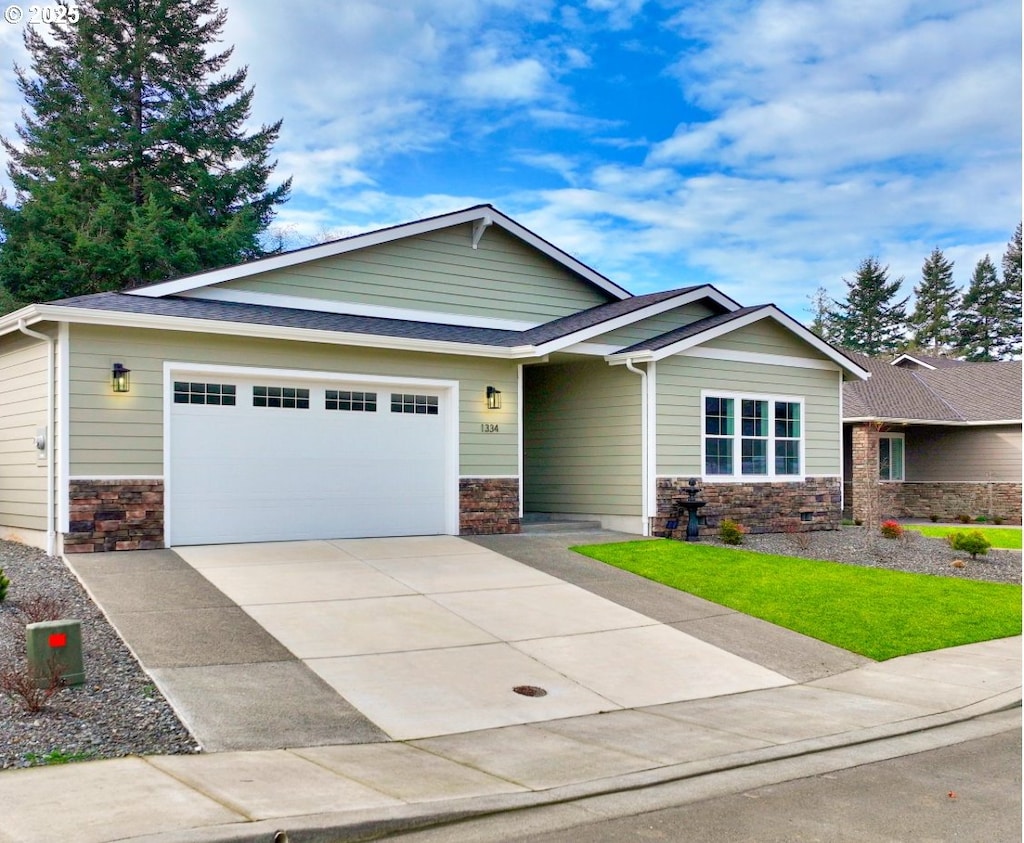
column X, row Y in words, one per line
column 317, row 642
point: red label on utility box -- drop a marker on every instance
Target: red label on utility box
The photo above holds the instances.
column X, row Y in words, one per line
column 58, row 640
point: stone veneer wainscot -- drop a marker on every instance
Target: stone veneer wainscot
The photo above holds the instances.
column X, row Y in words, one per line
column 115, row 515
column 811, row 504
column 488, row 505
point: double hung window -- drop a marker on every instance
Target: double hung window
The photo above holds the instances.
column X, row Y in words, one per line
column 752, row 436
column 890, row 456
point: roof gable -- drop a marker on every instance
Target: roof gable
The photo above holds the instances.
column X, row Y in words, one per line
column 472, row 225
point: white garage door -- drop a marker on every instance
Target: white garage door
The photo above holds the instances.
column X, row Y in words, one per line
column 272, row 460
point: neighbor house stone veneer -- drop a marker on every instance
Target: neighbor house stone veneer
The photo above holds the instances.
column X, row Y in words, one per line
column 811, row 504
column 115, row 515
column 488, row 505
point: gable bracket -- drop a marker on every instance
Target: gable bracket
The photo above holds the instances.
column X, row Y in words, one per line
column 479, row 227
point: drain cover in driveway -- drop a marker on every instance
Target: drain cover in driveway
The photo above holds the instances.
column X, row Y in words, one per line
column 530, row 691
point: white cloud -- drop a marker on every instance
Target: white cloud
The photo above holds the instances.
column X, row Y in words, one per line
column 491, row 77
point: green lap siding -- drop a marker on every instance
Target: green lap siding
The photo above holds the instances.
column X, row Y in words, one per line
column 23, row 409
column 680, row 381
column 582, row 439
column 440, row 272
column 122, row 435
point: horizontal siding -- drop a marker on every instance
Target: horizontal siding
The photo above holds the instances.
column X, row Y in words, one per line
column 441, row 272
column 122, row 435
column 655, row 326
column 978, row 454
column 766, row 336
column 680, row 381
column 582, row 440
column 23, row 385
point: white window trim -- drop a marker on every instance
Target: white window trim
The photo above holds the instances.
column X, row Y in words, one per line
column 737, row 476
column 903, row 439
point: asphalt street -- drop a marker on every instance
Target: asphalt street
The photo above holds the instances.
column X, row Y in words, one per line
column 969, row 792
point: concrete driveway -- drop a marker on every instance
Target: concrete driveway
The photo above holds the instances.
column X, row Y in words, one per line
column 430, row 636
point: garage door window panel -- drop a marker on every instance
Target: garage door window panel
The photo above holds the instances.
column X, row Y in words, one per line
column 352, row 402
column 421, row 405
column 285, row 397
column 190, row 392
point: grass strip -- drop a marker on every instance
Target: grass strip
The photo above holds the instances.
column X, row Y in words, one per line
column 876, row 612
column 1006, row 538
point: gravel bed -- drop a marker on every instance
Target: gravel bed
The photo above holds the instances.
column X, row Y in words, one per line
column 116, row 712
column 913, row 553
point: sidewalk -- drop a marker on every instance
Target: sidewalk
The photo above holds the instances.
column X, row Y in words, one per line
column 344, row 792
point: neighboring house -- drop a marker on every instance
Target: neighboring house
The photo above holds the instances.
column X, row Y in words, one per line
column 929, row 436
column 446, row 376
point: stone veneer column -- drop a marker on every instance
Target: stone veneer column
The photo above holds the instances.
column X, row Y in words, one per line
column 488, row 505
column 115, row 515
column 866, row 504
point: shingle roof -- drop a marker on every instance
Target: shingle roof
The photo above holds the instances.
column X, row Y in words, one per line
column 222, row 311
column 968, row 392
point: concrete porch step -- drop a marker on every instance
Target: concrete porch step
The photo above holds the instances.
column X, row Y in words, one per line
column 542, row 522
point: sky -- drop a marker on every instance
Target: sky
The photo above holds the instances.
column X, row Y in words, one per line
column 763, row 146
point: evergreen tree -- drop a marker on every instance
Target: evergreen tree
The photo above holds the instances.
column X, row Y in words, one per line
column 132, row 164
column 823, row 324
column 990, row 320
column 870, row 321
column 1012, row 261
column 935, row 306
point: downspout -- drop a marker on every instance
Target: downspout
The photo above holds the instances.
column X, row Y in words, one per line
column 51, row 533
column 645, row 503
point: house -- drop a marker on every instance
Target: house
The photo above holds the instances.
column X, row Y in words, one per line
column 928, row 436
column 445, row 376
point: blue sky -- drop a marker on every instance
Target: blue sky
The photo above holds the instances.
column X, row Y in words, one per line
column 764, row 146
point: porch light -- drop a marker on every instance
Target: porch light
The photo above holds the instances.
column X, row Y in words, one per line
column 493, row 398
column 119, row 378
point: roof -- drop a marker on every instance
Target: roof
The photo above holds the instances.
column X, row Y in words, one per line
column 482, row 216
column 963, row 393
column 926, row 361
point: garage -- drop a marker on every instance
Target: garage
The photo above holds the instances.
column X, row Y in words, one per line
column 276, row 458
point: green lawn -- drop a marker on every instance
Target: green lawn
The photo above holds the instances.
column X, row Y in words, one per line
column 878, row 613
column 1007, row 538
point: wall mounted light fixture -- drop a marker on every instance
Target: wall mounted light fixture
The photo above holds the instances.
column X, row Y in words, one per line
column 119, row 378
column 493, row 398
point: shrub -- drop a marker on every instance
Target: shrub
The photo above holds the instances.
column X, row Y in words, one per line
column 20, row 684
column 731, row 532
column 933, row 518
column 4, row 584
column 981, row 519
column 964, row 518
column 891, row 529
column 972, row 542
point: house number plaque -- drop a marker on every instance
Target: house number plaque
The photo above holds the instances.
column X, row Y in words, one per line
column 489, row 428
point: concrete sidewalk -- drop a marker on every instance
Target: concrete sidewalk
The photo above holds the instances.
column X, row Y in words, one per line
column 339, row 776
column 346, row 792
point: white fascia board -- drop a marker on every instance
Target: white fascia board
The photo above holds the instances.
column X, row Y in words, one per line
column 929, row 422
column 245, row 329
column 768, row 312
column 375, row 238
column 581, row 336
column 29, row 315
column 355, row 309
column 912, row 359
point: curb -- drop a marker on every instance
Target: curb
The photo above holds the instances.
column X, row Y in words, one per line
column 747, row 769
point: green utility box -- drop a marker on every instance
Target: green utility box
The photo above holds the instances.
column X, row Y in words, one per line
column 55, row 646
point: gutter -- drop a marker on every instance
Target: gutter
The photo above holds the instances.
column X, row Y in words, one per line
column 51, row 481
column 645, row 438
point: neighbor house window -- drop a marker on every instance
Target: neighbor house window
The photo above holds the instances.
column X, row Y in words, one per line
column 764, row 432
column 890, row 456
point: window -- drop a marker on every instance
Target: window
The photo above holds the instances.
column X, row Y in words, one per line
column 890, row 456
column 418, row 404
column 288, row 397
column 355, row 402
column 767, row 436
column 187, row 392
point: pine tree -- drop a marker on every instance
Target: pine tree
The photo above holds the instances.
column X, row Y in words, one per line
column 132, row 164
column 870, row 321
column 936, row 301
column 990, row 319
